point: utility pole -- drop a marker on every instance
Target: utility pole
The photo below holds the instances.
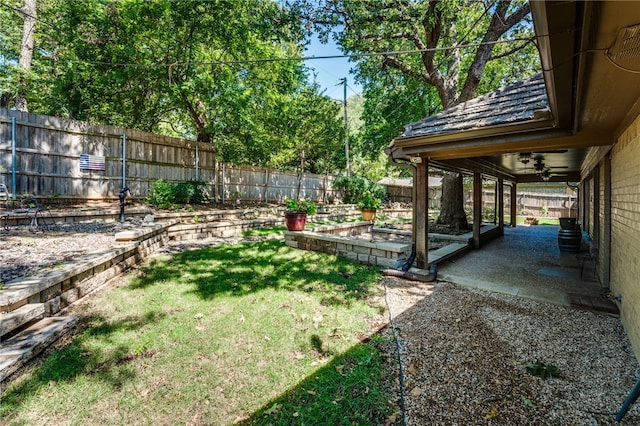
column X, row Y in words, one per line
column 346, row 126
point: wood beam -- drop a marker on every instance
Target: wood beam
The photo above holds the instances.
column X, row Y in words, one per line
column 501, row 144
column 422, row 214
column 477, row 209
column 500, row 205
column 514, row 200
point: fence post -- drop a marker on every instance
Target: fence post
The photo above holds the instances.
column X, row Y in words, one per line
column 266, row 184
column 13, row 157
column 197, row 161
column 222, row 185
column 124, row 160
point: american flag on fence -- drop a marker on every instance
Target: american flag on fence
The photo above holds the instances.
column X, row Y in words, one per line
column 91, row 162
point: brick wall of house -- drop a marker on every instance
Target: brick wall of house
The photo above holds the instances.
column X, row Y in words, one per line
column 625, row 229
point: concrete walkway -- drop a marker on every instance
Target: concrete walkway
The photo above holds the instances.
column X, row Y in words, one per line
column 526, row 262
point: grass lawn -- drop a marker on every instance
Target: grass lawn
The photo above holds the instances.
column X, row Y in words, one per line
column 541, row 220
column 253, row 333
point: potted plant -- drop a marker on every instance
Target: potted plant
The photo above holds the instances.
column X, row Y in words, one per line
column 368, row 205
column 296, row 213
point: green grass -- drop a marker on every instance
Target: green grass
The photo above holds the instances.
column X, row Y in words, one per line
column 256, row 333
column 541, row 220
column 265, row 232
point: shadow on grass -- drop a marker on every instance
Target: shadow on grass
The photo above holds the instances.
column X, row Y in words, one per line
column 348, row 390
column 81, row 358
column 242, row 269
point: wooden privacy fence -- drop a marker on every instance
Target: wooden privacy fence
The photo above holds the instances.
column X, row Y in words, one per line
column 50, row 157
column 541, row 204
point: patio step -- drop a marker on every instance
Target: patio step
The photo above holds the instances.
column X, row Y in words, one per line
column 19, row 317
column 19, row 349
column 447, row 252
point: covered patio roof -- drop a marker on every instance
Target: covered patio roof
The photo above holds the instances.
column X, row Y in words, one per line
column 559, row 123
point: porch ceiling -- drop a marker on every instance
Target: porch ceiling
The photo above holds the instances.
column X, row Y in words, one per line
column 591, row 100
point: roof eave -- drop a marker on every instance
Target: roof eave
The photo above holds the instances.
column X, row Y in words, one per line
column 484, row 132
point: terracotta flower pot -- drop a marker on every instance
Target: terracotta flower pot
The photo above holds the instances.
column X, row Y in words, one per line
column 295, row 221
column 368, row 214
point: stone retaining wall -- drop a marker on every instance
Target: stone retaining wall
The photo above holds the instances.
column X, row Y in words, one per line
column 324, row 240
column 57, row 290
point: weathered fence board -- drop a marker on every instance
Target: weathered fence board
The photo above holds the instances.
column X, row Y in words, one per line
column 48, row 151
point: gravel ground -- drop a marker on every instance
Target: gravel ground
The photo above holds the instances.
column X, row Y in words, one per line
column 24, row 253
column 463, row 352
column 464, row 356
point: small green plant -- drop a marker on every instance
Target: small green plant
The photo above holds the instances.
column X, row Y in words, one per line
column 545, row 209
column 369, row 201
column 543, row 370
column 301, row 206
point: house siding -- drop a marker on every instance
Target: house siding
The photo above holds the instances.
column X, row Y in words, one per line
column 625, row 229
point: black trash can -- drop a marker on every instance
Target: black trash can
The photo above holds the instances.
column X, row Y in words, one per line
column 570, row 238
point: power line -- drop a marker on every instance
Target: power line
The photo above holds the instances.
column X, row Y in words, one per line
column 312, row 58
column 28, row 15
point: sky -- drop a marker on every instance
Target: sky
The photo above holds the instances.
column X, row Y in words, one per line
column 330, row 71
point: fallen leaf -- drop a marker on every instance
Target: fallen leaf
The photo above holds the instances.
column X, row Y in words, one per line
column 339, row 368
column 242, row 319
column 310, row 392
column 198, row 316
column 267, row 338
column 494, row 413
column 296, row 414
column 416, row 391
column 274, row 409
column 392, row 419
column 527, row 402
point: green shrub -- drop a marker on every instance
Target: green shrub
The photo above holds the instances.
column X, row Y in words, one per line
column 353, row 189
column 161, row 195
column 189, row 192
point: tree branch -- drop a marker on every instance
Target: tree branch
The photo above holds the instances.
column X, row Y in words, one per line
column 499, row 25
column 512, row 51
column 405, row 68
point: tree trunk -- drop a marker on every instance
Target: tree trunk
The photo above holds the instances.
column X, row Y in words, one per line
column 26, row 52
column 452, row 206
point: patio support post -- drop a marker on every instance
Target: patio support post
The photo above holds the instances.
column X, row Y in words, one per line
column 477, row 208
column 495, row 203
column 500, row 205
column 421, row 218
column 514, row 187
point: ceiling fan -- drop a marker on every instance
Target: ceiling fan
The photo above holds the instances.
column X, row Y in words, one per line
column 538, row 166
column 546, row 174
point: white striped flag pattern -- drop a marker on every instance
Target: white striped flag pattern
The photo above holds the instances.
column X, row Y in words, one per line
column 91, row 162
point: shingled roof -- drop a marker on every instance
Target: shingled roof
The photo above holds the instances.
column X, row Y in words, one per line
column 520, row 102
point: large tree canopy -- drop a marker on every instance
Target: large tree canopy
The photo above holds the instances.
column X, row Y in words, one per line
column 416, row 57
column 209, row 70
column 452, row 51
